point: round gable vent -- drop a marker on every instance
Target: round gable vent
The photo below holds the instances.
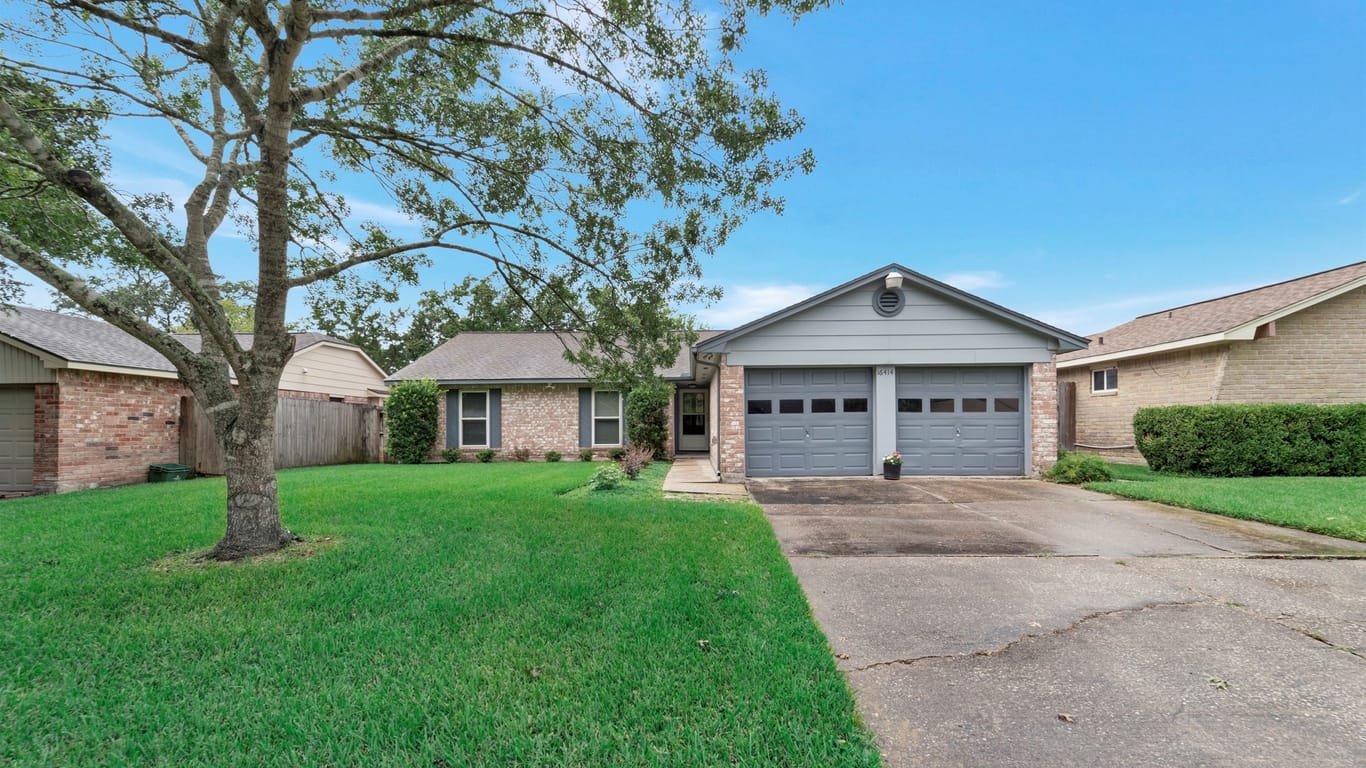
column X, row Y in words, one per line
column 888, row 301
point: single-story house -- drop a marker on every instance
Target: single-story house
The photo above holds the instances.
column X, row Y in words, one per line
column 85, row 405
column 889, row 361
column 1299, row 341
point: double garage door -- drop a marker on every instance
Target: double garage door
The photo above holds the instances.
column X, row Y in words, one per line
column 948, row 421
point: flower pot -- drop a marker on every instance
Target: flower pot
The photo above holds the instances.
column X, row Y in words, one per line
column 891, row 471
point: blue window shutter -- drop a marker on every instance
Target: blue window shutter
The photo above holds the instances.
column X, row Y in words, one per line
column 495, row 418
column 452, row 418
column 585, row 417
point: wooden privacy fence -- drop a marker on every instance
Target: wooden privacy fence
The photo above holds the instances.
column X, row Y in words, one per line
column 308, row 433
column 1067, row 415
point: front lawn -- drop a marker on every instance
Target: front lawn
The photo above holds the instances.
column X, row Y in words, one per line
column 460, row 615
column 1335, row 506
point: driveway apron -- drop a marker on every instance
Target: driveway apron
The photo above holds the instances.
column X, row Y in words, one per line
column 1017, row 623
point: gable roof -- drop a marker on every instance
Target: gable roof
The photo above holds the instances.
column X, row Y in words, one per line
column 1227, row 318
column 533, row 357
column 87, row 343
column 1063, row 339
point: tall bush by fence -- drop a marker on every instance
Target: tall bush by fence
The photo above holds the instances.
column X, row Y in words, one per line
column 1253, row 440
column 411, row 412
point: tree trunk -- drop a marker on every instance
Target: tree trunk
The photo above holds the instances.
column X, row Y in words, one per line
column 254, row 525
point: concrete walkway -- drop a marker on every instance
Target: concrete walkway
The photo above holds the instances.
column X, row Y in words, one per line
column 1016, row 623
column 695, row 476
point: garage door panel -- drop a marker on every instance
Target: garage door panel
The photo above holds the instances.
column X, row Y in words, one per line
column 829, row 437
column 16, row 439
column 970, row 419
column 759, row 434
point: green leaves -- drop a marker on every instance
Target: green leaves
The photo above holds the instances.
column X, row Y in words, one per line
column 410, row 414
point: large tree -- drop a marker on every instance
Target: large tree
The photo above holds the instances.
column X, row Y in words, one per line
column 604, row 144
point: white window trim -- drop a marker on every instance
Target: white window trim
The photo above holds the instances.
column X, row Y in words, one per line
column 460, row 421
column 593, row 420
column 1103, row 390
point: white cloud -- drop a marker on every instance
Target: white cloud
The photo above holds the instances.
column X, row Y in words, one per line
column 1351, row 197
column 974, row 281
column 364, row 210
column 744, row 303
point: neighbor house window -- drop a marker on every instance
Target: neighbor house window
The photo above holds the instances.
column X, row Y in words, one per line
column 1105, row 381
column 606, row 417
column 474, row 419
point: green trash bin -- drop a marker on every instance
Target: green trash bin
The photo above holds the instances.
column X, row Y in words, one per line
column 165, row 473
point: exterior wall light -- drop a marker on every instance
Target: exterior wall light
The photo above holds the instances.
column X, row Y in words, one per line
column 894, row 280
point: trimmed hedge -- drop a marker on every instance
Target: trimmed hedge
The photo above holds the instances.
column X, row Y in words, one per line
column 410, row 414
column 1254, row 440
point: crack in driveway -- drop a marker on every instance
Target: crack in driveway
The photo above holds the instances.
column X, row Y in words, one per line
column 1033, row 635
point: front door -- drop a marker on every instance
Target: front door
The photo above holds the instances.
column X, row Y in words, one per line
column 692, row 428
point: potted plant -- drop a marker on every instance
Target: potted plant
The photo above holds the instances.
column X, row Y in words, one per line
column 891, row 466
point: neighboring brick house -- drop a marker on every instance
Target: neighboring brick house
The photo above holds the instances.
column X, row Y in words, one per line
column 1299, row 341
column 889, row 361
column 85, row 405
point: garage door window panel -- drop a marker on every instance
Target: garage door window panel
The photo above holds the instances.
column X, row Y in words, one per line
column 1007, row 405
column 759, row 407
column 910, row 405
column 941, row 405
column 791, row 406
column 855, row 405
column 974, row 405
column 823, row 405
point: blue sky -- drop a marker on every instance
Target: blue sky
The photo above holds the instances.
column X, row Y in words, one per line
column 1080, row 162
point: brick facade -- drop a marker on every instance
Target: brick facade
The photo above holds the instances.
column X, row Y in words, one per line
column 1043, row 417
column 730, row 422
column 97, row 430
column 1317, row 356
column 538, row 417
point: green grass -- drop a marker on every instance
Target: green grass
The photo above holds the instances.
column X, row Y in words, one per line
column 443, row 615
column 1335, row 506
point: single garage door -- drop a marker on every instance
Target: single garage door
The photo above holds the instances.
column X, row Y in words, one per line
column 16, row 439
column 808, row 421
column 961, row 421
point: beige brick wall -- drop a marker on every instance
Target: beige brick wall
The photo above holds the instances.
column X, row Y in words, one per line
column 1043, row 417
column 1316, row 356
column 541, row 418
column 1186, row 377
column 730, row 422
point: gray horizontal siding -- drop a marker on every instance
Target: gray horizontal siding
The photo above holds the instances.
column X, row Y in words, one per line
column 20, row 367
column 930, row 330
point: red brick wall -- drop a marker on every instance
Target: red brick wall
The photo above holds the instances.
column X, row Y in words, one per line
column 1043, row 417
column 46, row 421
column 730, row 422
column 107, row 429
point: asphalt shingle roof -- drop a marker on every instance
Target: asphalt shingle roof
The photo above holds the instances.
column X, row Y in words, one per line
column 95, row 342
column 478, row 356
column 1215, row 315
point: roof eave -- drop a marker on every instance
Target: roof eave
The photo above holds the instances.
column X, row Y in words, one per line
column 1061, row 338
column 1243, row 332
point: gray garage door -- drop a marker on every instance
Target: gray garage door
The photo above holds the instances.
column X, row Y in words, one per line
column 961, row 421
column 808, row 421
column 16, row 439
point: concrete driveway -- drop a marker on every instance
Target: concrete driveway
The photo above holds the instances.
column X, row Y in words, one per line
column 1017, row 623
